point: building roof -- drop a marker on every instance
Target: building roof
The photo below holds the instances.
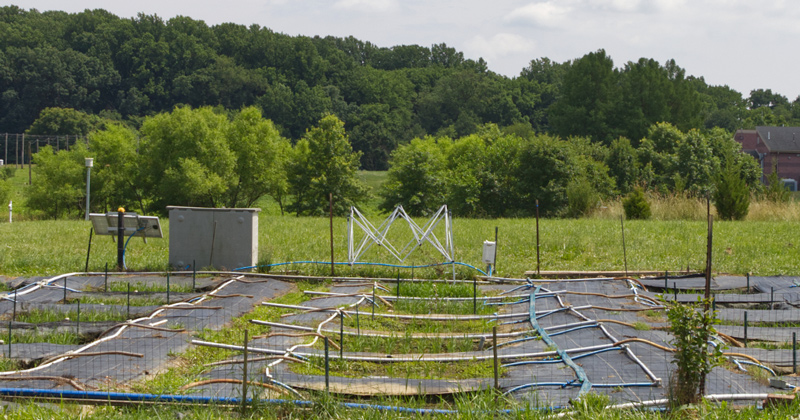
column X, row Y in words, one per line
column 780, row 139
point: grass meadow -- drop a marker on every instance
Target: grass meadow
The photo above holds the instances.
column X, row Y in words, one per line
column 675, row 240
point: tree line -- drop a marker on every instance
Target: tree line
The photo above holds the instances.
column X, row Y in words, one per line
column 132, row 69
column 210, row 157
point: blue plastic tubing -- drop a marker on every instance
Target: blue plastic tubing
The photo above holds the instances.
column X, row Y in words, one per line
column 119, row 396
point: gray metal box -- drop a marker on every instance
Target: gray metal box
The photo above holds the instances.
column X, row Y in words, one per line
column 222, row 238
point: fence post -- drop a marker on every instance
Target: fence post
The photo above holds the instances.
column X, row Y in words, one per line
column 105, row 281
column 194, row 273
column 794, row 352
column 358, row 327
column 78, row 321
column 129, row 300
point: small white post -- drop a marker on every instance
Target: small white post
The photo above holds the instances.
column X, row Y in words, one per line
column 9, row 211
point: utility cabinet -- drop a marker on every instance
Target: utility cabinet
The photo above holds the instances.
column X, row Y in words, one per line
column 221, row 238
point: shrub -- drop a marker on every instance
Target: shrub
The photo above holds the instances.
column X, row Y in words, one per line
column 776, row 191
column 581, row 198
column 731, row 194
column 5, row 191
column 691, row 328
column 6, row 172
column 636, row 205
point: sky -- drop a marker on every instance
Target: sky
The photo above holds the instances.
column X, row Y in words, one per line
column 744, row 44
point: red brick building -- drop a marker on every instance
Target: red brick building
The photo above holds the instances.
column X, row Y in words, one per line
column 774, row 147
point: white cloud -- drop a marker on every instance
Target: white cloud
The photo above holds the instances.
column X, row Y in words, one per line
column 549, row 13
column 499, row 45
column 367, row 5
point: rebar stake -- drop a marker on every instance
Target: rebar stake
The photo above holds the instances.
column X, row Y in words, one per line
column 244, row 373
column 327, row 367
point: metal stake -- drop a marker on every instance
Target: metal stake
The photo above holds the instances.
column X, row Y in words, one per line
column 78, row 321
column 494, row 355
column 129, row 300
column 358, row 327
column 327, row 367
column 14, row 314
column 474, row 296
column 538, row 272
column 194, row 273
column 794, row 352
column 105, row 282
column 624, row 250
column 745, row 328
column 167, row 287
column 244, row 373
column 89, row 249
column 341, row 334
column 373, row 301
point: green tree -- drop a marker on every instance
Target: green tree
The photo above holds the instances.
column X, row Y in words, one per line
column 261, row 155
column 590, row 100
column 59, row 183
column 63, row 121
column 731, row 193
column 186, row 158
column 115, row 176
column 323, row 162
column 623, row 164
column 416, row 177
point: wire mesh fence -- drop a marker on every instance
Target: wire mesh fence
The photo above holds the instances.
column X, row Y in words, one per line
column 403, row 342
column 17, row 148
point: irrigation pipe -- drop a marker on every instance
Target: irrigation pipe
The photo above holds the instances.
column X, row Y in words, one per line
column 389, row 358
column 383, row 335
column 257, row 359
column 232, row 381
column 58, row 379
column 586, row 386
column 110, row 337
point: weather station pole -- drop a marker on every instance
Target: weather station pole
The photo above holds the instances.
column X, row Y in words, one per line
column 89, row 163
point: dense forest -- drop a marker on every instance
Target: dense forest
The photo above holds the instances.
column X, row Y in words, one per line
column 128, row 69
column 177, row 112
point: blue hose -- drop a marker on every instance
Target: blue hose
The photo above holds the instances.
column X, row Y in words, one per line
column 119, row 396
column 124, row 248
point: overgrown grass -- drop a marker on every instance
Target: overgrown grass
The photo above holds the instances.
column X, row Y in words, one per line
column 121, row 286
column 38, row 316
column 473, row 406
column 409, row 370
column 135, row 300
column 36, row 336
column 761, row 247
